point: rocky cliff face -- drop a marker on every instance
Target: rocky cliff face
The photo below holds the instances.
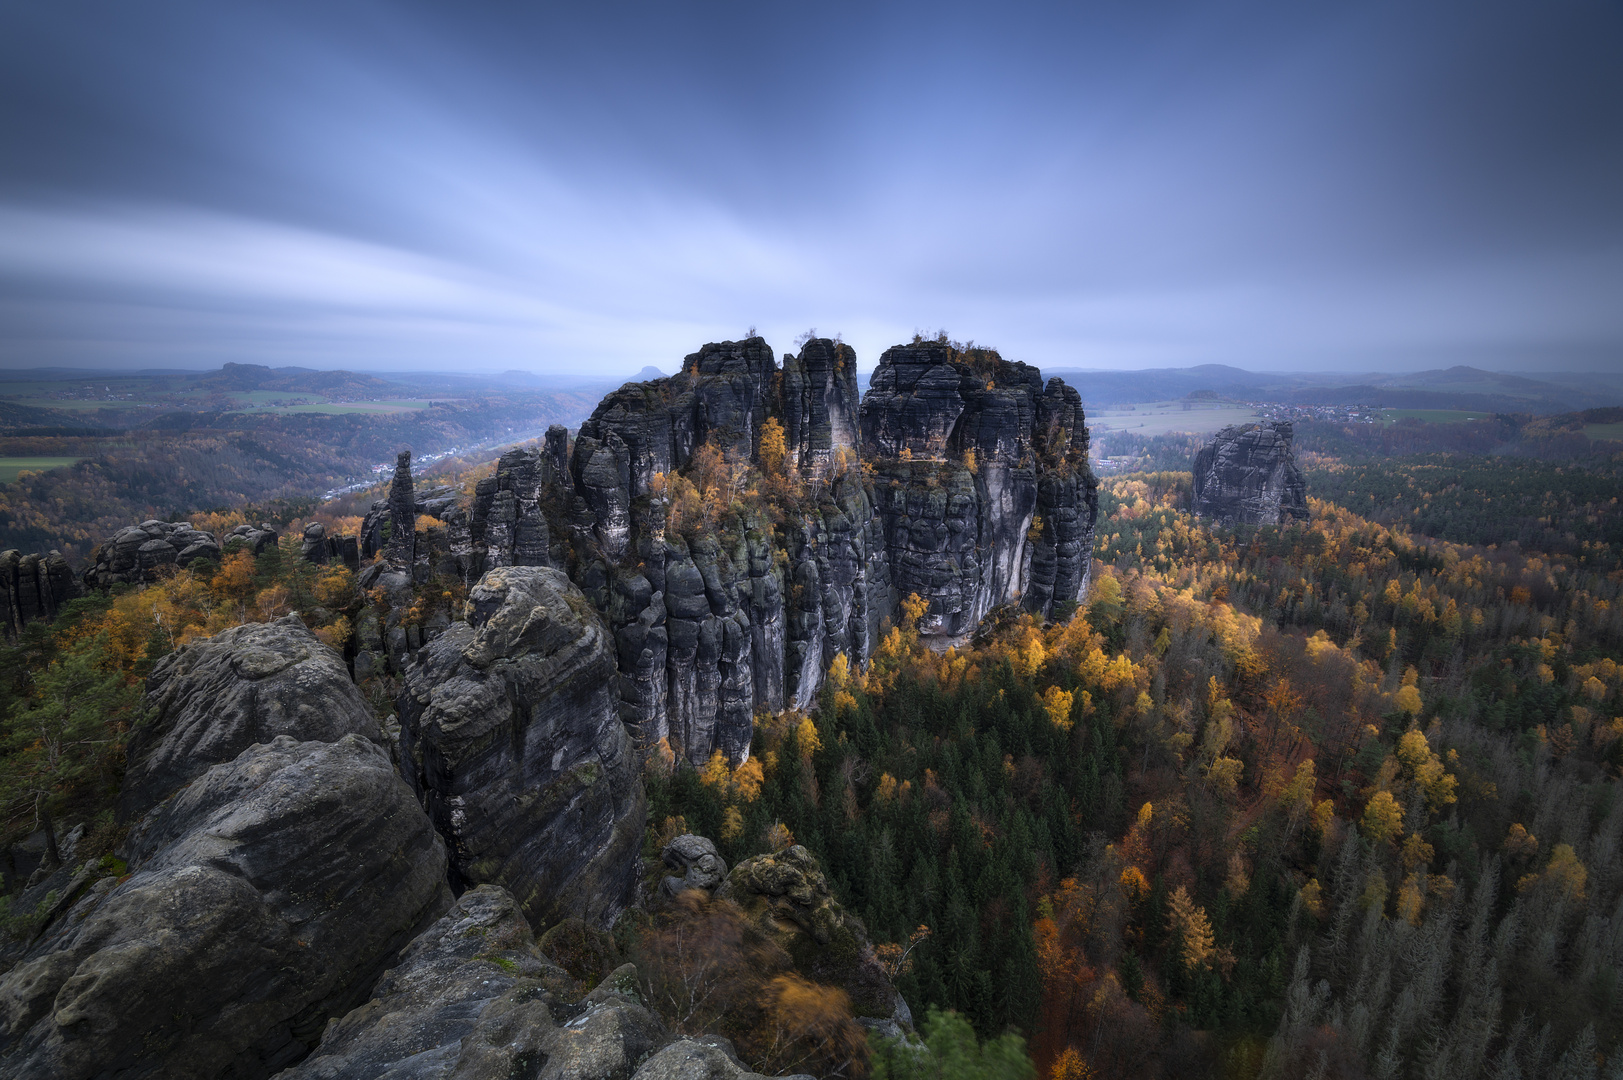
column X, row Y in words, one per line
column 960, row 477
column 984, row 490
column 1248, row 476
column 510, row 735
column 33, row 587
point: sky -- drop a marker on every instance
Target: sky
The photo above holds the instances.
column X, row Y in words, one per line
column 586, row 189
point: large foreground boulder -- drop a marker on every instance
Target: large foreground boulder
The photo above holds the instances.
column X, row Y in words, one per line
column 262, row 899
column 511, row 736
column 213, row 699
column 475, row 999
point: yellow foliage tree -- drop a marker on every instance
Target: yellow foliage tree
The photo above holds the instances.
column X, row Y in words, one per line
column 1070, row 1066
column 747, row 780
column 1564, row 872
column 774, row 456
column 1383, row 818
column 806, row 735
column 1057, row 704
column 1427, row 769
column 1191, row 929
column 1407, row 700
column 1313, row 898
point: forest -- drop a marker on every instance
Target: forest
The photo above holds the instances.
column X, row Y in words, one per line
column 1333, row 800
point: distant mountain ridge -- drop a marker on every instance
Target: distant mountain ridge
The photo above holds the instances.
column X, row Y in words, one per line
column 1458, row 387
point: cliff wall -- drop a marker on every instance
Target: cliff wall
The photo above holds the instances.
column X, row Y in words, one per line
column 730, row 580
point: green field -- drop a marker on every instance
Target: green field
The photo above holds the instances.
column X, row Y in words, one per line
column 11, row 466
column 1432, row 416
column 1166, row 417
column 1604, row 431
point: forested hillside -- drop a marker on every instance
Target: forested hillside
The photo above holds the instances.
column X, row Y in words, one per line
column 1333, row 800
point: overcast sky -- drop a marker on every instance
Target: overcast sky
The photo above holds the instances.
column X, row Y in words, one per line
column 589, row 188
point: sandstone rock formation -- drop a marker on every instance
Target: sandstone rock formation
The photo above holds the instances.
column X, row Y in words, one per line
column 318, row 547
column 135, row 553
column 1248, row 476
column 262, row 898
column 475, row 999
column 961, row 477
column 980, row 496
column 213, row 699
column 788, row 899
column 984, row 487
column 511, row 738
column 33, row 587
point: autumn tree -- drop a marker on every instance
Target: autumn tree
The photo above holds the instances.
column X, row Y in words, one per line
column 774, row 454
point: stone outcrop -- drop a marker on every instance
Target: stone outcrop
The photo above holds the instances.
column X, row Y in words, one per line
column 698, row 862
column 474, row 998
column 320, row 548
column 820, row 402
column 261, row 899
column 134, row 554
column 961, row 477
column 33, row 587
column 984, row 487
column 1248, row 476
column 788, row 899
column 511, row 737
column 211, row 700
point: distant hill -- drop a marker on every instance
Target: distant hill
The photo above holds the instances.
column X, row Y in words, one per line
column 245, row 377
column 1457, row 387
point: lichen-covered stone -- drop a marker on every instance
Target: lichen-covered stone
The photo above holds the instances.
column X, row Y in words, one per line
column 705, row 1058
column 474, row 973
column 261, row 899
column 210, row 700
column 694, row 863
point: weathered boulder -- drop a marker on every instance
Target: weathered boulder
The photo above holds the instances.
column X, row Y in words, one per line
column 511, row 736
column 788, row 899
column 697, row 862
column 474, row 998
column 261, row 899
column 213, row 699
column 1248, row 476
